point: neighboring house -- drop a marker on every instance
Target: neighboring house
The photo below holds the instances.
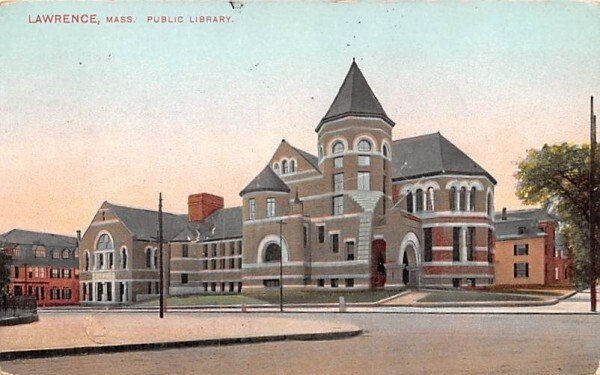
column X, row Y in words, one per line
column 529, row 250
column 368, row 212
column 119, row 260
column 43, row 265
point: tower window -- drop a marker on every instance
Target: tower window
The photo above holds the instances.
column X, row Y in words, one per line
column 364, row 146
column 337, row 148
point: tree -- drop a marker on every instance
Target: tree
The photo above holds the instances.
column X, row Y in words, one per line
column 5, row 260
column 558, row 176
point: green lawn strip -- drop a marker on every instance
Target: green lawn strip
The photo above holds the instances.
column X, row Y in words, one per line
column 550, row 293
column 330, row 296
column 467, row 296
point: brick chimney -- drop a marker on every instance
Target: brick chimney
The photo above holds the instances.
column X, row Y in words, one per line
column 202, row 205
column 504, row 215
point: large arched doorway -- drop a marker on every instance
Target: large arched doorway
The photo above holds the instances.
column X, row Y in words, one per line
column 410, row 268
column 378, row 264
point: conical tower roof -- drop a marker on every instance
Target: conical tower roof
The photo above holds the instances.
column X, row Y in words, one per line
column 267, row 180
column 355, row 98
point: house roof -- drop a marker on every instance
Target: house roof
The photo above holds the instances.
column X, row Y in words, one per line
column 528, row 219
column 143, row 223
column 222, row 224
column 355, row 98
column 26, row 237
column 267, row 180
column 431, row 154
column 310, row 158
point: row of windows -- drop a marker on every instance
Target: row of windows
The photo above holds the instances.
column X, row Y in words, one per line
column 105, row 260
column 286, row 167
column 103, row 291
column 40, row 292
column 229, row 286
column 271, row 208
column 363, row 145
column 216, row 250
column 40, row 272
column 459, row 200
column 40, row 252
column 457, row 243
column 334, row 283
column 222, row 264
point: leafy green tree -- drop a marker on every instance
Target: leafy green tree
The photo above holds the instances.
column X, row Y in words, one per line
column 558, row 176
column 5, row 260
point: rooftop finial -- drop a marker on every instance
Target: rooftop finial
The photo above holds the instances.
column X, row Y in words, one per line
column 353, row 60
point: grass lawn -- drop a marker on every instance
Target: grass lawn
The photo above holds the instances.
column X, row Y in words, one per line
column 330, row 296
column 540, row 292
column 467, row 296
column 230, row 299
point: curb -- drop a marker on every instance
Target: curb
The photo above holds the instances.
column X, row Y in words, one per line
column 85, row 350
column 19, row 320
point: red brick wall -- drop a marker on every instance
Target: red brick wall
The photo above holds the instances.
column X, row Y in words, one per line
column 47, row 284
column 202, row 205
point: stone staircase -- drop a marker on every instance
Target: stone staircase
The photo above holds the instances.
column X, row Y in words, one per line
column 367, row 200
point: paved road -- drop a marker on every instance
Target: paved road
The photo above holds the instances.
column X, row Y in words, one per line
column 392, row 344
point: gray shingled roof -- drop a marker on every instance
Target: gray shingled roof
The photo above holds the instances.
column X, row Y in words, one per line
column 355, row 98
column 528, row 218
column 431, row 154
column 26, row 237
column 222, row 224
column 310, row 158
column 144, row 223
column 267, row 180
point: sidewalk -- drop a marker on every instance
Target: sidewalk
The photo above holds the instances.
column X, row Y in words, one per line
column 96, row 333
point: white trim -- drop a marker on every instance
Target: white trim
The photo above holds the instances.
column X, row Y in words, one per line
column 329, row 148
column 446, row 214
column 378, row 237
column 370, row 139
column 340, row 276
column 338, row 263
column 270, row 219
column 271, row 277
column 271, row 265
column 442, row 175
column 270, row 239
column 98, row 223
column 317, row 177
column 458, row 276
column 195, row 259
column 461, row 224
column 322, row 134
column 205, row 272
column 440, row 248
column 457, row 264
column 410, row 239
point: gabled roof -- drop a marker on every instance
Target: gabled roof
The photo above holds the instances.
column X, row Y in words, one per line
column 355, row 98
column 535, row 214
column 267, row 180
column 144, row 223
column 26, row 237
column 310, row 158
column 222, row 224
column 431, row 154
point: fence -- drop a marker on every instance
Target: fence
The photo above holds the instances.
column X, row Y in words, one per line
column 17, row 306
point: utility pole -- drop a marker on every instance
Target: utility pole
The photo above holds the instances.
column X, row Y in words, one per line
column 592, row 206
column 160, row 254
column 281, row 224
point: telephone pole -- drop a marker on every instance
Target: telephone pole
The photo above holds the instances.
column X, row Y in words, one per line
column 281, row 224
column 160, row 260
column 592, row 206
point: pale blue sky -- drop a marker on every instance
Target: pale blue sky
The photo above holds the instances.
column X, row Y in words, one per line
column 85, row 109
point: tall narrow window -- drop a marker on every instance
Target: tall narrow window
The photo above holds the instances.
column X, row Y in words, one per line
column 490, row 246
column 292, row 166
column 148, row 258
column 419, row 196
column 111, row 260
column 338, row 162
column 276, row 168
column 270, row 207
column 364, row 181
column 321, row 233
column 350, row 250
column 334, row 238
column 456, row 244
column 251, row 209
column 472, row 199
column 427, row 232
column 452, row 198
column 463, row 199
column 184, row 250
column 470, row 244
column 338, row 182
column 86, row 261
column 124, row 258
column 338, row 205
column 409, row 202
column 155, row 252
column 430, row 199
column 490, row 204
column 284, row 167
column 305, row 236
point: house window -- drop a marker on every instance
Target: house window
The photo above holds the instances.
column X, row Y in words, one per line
column 364, row 146
column 251, row 209
column 334, row 238
column 419, row 194
column 364, row 181
column 428, row 244
column 184, row 278
column 409, row 202
column 214, row 249
column 452, row 198
column 66, row 293
column 16, row 272
column 338, row 162
column 385, row 151
column 337, row 148
column 54, row 273
column 463, row 198
column 184, row 250
column 338, row 182
column 470, row 247
column 205, row 251
column 335, row 283
column 349, row 283
column 86, row 265
column 55, row 293
column 521, row 269
column 104, row 242
column 270, row 207
column 522, row 249
column 364, row 160
column 65, row 254
column 55, row 254
column 472, row 198
column 350, row 250
column 292, row 166
column 124, row 258
column 111, row 260
column 284, row 167
column 321, row 233
column 213, row 264
column 148, row 258
column 271, row 283
column 338, row 205
column 321, row 283
column 40, row 252
column 430, row 199
column 456, row 244
column 66, row 273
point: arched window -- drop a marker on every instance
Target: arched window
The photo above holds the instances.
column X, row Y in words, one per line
column 276, row 168
column 463, row 198
column 55, row 254
column 490, row 204
column 272, row 253
column 472, row 197
column 155, row 252
column 385, row 151
column 65, row 254
column 409, row 202
column 430, row 199
column 292, row 166
column 452, row 198
column 86, row 265
column 364, row 146
column 337, row 148
column 419, row 194
column 284, row 167
column 124, row 258
column 104, row 242
column 148, row 258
